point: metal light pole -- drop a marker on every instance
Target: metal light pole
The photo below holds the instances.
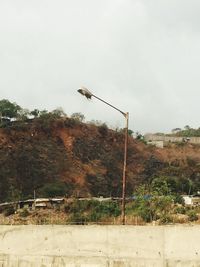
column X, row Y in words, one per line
column 85, row 92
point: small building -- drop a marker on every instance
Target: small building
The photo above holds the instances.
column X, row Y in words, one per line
column 56, row 202
column 191, row 200
column 159, row 144
column 166, row 139
column 187, row 200
column 42, row 203
column 196, row 200
column 25, row 204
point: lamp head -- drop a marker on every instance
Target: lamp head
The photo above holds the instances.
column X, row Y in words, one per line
column 85, row 92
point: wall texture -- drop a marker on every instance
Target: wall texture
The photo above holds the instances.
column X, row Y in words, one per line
column 173, row 139
column 98, row 246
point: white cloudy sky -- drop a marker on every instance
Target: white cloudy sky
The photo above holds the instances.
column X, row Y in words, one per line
column 141, row 55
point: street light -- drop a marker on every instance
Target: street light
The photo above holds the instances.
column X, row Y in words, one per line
column 85, row 92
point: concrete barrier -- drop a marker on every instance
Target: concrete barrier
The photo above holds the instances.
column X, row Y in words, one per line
column 99, row 246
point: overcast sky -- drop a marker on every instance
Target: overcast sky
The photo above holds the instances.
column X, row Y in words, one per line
column 142, row 56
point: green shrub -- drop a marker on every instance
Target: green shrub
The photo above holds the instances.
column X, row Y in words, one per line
column 67, row 207
column 103, row 130
column 152, row 203
column 9, row 211
column 108, row 208
column 83, row 211
column 24, row 213
column 54, row 189
column 165, row 219
column 145, row 212
column 95, row 216
column 178, row 199
column 79, row 206
column 192, row 216
column 70, row 123
column 78, row 218
column 180, row 210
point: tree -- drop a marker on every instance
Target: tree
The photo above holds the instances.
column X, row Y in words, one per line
column 98, row 185
column 23, row 114
column 160, row 186
column 130, row 132
column 78, row 116
column 154, row 201
column 43, row 113
column 9, row 110
column 59, row 112
column 35, row 113
column 55, row 189
column 187, row 127
column 103, row 130
column 139, row 136
column 175, row 130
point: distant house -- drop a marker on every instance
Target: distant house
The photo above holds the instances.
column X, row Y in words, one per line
column 48, row 202
column 196, row 200
column 42, row 203
column 158, row 143
column 191, row 200
column 162, row 140
column 25, row 204
column 187, row 200
column 38, row 203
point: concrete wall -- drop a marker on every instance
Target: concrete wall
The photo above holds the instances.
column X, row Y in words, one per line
column 173, row 139
column 98, row 246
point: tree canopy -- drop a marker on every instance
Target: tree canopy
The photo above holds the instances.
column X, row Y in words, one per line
column 9, row 110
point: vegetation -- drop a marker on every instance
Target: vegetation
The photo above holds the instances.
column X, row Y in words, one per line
column 30, row 165
column 142, row 209
column 10, row 210
column 186, row 132
column 55, row 189
column 78, row 117
column 9, row 110
column 24, row 213
column 86, row 211
column 55, row 155
column 153, row 202
column 192, row 215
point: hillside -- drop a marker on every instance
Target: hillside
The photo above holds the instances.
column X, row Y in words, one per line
column 56, row 155
column 63, row 156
